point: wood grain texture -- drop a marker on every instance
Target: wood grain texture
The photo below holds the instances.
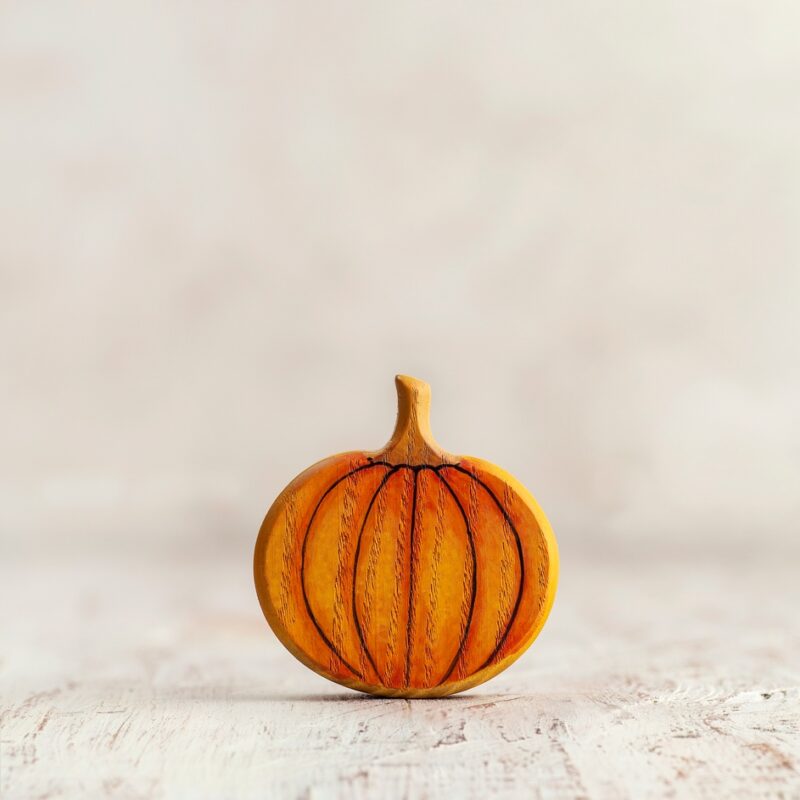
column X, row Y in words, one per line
column 407, row 571
column 133, row 679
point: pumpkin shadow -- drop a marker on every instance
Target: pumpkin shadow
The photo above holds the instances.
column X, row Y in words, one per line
column 367, row 699
column 310, row 697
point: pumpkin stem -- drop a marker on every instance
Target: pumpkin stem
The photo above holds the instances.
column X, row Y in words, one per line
column 412, row 441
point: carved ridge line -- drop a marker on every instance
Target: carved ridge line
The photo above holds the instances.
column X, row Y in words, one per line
column 415, row 468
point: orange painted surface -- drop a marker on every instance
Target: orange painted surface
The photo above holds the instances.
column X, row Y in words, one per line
column 408, row 571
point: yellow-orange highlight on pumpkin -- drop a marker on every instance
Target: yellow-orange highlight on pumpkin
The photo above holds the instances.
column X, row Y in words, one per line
column 407, row 571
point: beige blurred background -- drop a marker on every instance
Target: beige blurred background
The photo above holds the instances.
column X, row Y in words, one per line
column 224, row 227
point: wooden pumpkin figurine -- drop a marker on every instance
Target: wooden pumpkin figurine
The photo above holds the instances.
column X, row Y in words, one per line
column 406, row 572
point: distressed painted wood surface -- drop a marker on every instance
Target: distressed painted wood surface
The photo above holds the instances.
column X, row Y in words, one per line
column 407, row 571
column 155, row 678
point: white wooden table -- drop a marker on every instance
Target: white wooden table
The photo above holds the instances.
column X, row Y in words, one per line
column 129, row 677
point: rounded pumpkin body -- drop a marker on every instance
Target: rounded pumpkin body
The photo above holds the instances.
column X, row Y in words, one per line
column 408, row 571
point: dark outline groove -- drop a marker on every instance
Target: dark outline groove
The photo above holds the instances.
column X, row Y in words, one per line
column 392, row 469
column 410, row 615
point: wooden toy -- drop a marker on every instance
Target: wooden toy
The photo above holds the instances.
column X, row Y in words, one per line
column 407, row 571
